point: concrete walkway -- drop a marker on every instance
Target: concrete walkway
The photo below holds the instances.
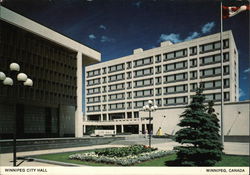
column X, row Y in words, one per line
column 232, row 148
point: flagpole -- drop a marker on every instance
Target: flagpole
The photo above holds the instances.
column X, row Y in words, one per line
column 222, row 71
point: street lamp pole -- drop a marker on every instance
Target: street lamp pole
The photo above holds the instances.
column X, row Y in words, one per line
column 7, row 81
column 150, row 108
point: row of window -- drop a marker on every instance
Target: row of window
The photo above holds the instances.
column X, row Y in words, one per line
column 170, row 78
column 158, row 102
column 167, row 56
column 149, row 82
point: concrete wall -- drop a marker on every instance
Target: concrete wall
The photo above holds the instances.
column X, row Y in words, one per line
column 236, row 119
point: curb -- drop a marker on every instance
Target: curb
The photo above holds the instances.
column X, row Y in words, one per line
column 30, row 159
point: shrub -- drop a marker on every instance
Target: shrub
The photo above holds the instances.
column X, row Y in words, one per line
column 125, row 151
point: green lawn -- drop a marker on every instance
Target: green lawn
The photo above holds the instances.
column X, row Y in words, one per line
column 227, row 160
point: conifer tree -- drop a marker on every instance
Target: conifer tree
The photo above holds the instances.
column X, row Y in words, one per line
column 199, row 136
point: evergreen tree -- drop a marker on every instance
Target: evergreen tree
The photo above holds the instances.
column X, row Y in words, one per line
column 201, row 145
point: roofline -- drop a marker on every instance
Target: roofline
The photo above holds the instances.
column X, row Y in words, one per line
column 27, row 24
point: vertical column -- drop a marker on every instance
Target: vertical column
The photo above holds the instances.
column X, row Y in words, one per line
column 140, row 128
column 79, row 113
column 122, row 128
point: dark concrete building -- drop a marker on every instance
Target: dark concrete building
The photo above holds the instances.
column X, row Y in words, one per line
column 52, row 107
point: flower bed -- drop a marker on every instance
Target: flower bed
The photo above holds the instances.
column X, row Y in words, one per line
column 128, row 159
column 124, row 151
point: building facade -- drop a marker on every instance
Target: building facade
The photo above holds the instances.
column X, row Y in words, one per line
column 117, row 90
column 53, row 106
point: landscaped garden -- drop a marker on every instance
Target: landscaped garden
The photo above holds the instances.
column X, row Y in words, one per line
column 124, row 156
column 142, row 153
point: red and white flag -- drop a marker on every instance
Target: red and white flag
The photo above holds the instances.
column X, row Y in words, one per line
column 231, row 11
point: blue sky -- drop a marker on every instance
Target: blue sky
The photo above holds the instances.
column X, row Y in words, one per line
column 116, row 27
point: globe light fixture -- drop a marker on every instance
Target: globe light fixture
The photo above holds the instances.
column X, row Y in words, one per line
column 14, row 67
column 28, row 82
column 150, row 107
column 8, row 81
column 2, row 76
column 22, row 77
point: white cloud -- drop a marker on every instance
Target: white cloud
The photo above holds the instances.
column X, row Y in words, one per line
column 241, row 93
column 175, row 38
column 92, row 36
column 107, row 39
column 192, row 36
column 208, row 27
column 247, row 70
column 244, row 77
column 103, row 27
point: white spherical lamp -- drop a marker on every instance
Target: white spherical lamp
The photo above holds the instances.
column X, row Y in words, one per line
column 22, row 77
column 150, row 102
column 8, row 81
column 28, row 82
column 14, row 67
column 2, row 76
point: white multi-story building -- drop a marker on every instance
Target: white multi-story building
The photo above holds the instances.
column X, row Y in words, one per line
column 116, row 90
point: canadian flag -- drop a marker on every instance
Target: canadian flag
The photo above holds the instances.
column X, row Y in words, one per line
column 231, row 11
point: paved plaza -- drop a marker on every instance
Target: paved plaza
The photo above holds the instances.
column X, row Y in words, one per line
column 233, row 148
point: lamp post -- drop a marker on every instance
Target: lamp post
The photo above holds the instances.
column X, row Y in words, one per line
column 9, row 81
column 150, row 108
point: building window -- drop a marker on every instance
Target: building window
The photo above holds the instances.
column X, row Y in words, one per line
column 193, row 62
column 96, row 108
column 145, row 82
column 157, row 58
column 104, row 70
column 104, row 98
column 193, row 75
column 175, row 66
column 193, row 50
column 129, row 95
column 93, row 90
column 175, row 54
column 116, row 106
column 175, row 101
column 104, row 89
column 94, row 99
column 93, row 73
column 104, row 80
column 213, row 46
column 143, row 93
column 217, row 97
column 116, row 87
column 116, row 77
column 158, row 91
column 214, row 59
column 193, row 87
column 116, row 68
column 143, row 72
column 129, row 75
column 119, row 96
column 93, row 82
column 157, row 69
column 175, row 89
column 158, row 102
column 143, row 62
column 129, row 105
column 129, row 85
column 175, row 77
column 129, row 65
column 157, row 80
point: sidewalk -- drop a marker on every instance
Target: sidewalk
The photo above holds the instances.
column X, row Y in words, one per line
column 232, row 148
